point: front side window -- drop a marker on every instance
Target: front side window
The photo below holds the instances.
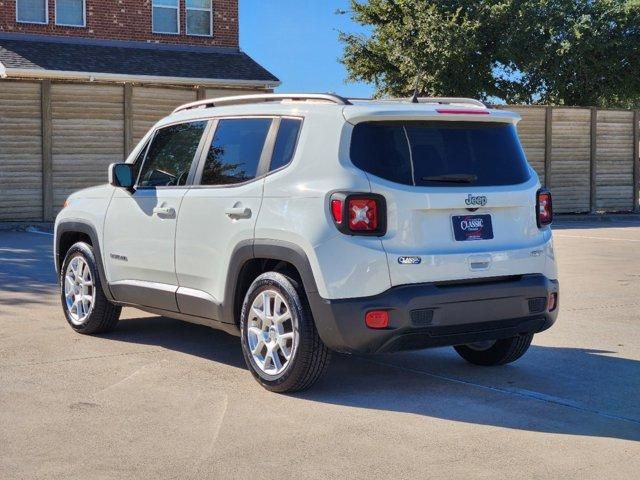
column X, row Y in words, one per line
column 199, row 18
column 166, row 18
column 137, row 163
column 234, row 154
column 432, row 153
column 170, row 155
column 32, row 11
column 70, row 13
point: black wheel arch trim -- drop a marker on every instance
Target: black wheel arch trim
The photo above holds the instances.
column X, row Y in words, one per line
column 269, row 249
column 75, row 226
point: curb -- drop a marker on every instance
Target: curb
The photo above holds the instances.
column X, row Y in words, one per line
column 34, row 227
column 561, row 218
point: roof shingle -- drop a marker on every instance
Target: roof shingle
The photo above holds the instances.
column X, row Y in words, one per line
column 130, row 60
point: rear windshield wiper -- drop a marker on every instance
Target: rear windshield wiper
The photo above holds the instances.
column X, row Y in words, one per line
column 452, row 178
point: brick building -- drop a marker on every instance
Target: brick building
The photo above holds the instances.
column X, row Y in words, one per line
column 82, row 80
column 190, row 22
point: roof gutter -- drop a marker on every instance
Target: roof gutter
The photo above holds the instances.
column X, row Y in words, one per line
column 117, row 77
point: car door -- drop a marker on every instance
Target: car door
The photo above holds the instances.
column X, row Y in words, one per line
column 219, row 212
column 140, row 226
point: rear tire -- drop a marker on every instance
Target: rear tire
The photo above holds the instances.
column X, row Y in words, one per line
column 280, row 343
column 85, row 306
column 500, row 352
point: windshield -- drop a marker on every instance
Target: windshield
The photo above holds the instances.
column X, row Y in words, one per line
column 440, row 153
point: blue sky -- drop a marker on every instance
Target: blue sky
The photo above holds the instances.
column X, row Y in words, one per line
column 297, row 40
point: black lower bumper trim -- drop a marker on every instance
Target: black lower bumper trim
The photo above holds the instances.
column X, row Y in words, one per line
column 463, row 334
column 428, row 315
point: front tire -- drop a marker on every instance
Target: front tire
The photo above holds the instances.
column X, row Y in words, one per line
column 499, row 352
column 85, row 306
column 280, row 343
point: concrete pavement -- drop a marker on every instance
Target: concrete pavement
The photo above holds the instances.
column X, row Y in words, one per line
column 159, row 398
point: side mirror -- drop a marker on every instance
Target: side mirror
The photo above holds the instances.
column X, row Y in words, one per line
column 121, row 175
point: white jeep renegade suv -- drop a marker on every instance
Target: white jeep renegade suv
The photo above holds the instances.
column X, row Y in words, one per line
column 307, row 224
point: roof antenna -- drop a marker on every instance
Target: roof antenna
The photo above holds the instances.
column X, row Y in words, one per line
column 415, row 97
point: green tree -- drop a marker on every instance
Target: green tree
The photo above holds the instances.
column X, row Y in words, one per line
column 573, row 52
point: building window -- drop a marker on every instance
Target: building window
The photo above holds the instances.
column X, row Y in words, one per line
column 199, row 17
column 32, row 11
column 166, row 16
column 70, row 13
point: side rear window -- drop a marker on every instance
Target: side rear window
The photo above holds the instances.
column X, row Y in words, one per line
column 286, row 141
column 234, row 153
column 170, row 155
column 440, row 153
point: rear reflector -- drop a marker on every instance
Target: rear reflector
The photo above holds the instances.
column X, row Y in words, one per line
column 553, row 301
column 377, row 319
column 458, row 111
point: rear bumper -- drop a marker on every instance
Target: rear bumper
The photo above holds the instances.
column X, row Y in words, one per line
column 438, row 314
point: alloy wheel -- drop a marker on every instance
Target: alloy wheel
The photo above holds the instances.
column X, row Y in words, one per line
column 79, row 290
column 272, row 333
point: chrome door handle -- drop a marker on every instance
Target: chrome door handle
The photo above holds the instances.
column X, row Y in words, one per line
column 238, row 212
column 165, row 212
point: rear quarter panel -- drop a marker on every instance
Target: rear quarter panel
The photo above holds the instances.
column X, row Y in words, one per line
column 295, row 209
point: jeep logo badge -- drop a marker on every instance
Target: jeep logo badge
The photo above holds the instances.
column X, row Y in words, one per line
column 479, row 201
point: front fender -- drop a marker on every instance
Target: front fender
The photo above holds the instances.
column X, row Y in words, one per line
column 77, row 226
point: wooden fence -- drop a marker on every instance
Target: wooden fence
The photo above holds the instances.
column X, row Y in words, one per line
column 588, row 157
column 58, row 137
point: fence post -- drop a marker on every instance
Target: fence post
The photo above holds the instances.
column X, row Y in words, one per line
column 592, row 159
column 201, row 93
column 548, row 144
column 636, row 161
column 47, row 151
column 128, row 119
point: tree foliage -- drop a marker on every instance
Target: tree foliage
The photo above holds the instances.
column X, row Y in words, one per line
column 571, row 52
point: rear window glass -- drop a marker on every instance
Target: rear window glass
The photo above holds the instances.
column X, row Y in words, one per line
column 440, row 153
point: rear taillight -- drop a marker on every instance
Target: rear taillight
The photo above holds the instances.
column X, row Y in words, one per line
column 359, row 213
column 544, row 208
column 363, row 214
column 336, row 210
